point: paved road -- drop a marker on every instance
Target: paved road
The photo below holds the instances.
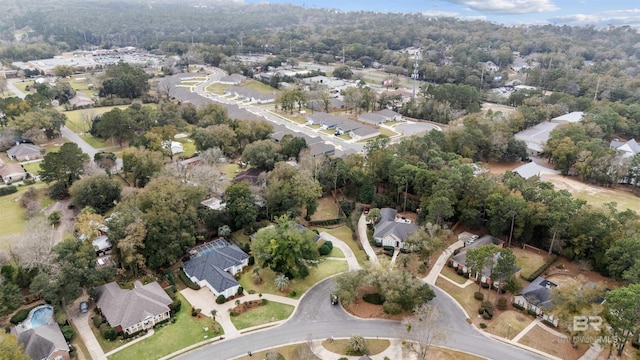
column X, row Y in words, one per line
column 316, row 318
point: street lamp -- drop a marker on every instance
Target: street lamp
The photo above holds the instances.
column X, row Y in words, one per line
column 508, row 330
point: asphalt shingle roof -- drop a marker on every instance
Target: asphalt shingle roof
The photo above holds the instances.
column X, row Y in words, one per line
column 129, row 307
column 40, row 342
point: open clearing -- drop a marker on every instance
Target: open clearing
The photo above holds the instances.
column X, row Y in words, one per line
column 509, row 324
column 540, row 339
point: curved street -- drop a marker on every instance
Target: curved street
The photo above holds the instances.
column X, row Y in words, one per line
column 316, row 318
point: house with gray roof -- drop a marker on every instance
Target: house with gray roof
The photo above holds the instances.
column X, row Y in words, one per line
column 530, row 170
column 364, row 132
column 321, row 149
column 393, row 230
column 25, row 152
column 215, row 269
column 537, row 297
column 627, row 149
column 569, row 118
column 44, row 342
column 390, row 115
column 536, row 137
column 372, row 118
column 233, row 79
column 130, row 311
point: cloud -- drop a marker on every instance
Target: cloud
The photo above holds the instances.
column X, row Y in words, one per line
column 439, row 13
column 509, row 6
column 626, row 17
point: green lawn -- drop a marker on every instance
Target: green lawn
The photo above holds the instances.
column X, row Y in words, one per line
column 344, row 233
column 389, row 133
column 189, row 147
column 216, row 88
column 33, row 167
column 97, row 143
column 336, row 253
column 259, row 86
column 229, row 169
column 22, row 85
column 79, row 121
column 528, row 261
column 241, row 237
column 264, row 314
column 323, row 270
column 452, row 275
column 187, row 330
column 12, row 215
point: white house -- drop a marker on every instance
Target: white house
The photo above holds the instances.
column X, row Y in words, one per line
column 392, row 230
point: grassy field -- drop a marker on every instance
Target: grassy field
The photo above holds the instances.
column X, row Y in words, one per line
column 528, row 260
column 452, row 275
column 509, row 324
column 374, row 346
column 97, row 143
column 75, row 118
column 12, row 215
column 272, row 311
column 327, row 209
column 389, row 133
column 216, row 88
column 33, row 167
column 344, row 233
column 464, row 297
column 336, row 253
column 229, row 169
column 322, row 271
column 23, row 84
column 189, row 147
column 186, row 331
column 259, row 86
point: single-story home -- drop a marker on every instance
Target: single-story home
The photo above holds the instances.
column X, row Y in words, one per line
column 530, row 170
column 12, row 172
column 536, row 137
column 175, row 146
column 213, row 203
column 44, row 342
column 458, row 261
column 364, row 132
column 233, row 79
column 25, row 152
column 372, row 118
column 627, row 149
column 130, row 311
column 572, row 117
column 79, row 101
column 102, row 245
column 215, row 269
column 321, row 149
column 393, row 230
column 537, row 297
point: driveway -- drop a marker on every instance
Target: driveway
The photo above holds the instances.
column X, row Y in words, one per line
column 81, row 322
column 364, row 240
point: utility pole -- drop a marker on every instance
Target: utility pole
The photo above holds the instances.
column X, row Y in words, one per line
column 513, row 217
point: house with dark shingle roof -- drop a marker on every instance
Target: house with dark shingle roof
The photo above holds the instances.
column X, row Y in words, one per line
column 44, row 342
column 216, row 268
column 537, row 297
column 25, row 152
column 392, row 230
column 458, row 261
column 130, row 311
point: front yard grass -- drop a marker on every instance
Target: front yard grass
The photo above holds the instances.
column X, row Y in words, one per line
column 264, row 314
column 75, row 118
column 12, row 215
column 259, row 87
column 453, row 276
column 344, row 233
column 339, row 346
column 218, row 89
column 527, row 260
column 543, row 340
column 388, row 132
column 300, row 286
column 464, row 296
column 509, row 324
column 230, row 170
column 187, row 330
column 327, row 209
column 188, row 146
column 336, row 253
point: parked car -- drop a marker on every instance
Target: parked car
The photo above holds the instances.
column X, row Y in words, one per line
column 84, row 307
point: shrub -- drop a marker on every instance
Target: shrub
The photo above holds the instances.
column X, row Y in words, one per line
column 67, row 332
column 8, row 190
column 329, row 244
column 28, row 181
column 233, row 313
column 391, row 308
column 240, row 290
column 459, row 272
column 19, row 316
column 487, row 305
column 483, row 326
column 375, row 298
column 293, row 293
column 487, row 316
column 324, row 250
column 175, row 306
column 517, row 306
column 108, row 333
column 501, row 304
column 264, row 302
column 97, row 321
column 478, row 295
column 185, row 279
column 251, row 291
column 251, row 260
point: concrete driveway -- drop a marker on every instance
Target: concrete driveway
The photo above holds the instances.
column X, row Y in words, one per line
column 81, row 322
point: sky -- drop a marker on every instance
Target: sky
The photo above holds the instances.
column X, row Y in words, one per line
column 511, row 12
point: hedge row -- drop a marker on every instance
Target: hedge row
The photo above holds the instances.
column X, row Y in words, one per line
column 20, row 316
column 185, row 279
column 540, row 270
column 325, row 222
column 6, row 190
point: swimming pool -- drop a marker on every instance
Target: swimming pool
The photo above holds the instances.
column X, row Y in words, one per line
column 41, row 315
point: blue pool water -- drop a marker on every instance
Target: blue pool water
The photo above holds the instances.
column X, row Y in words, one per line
column 41, row 316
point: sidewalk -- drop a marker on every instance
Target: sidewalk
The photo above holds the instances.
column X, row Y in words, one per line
column 441, row 262
column 364, row 240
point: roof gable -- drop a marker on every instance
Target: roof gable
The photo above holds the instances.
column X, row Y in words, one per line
column 42, row 341
column 129, row 307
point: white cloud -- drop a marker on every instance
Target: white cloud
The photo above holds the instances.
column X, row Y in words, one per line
column 622, row 12
column 626, row 17
column 439, row 13
column 509, row 6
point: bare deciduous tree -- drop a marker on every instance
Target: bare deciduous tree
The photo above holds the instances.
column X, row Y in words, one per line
column 33, row 248
column 424, row 329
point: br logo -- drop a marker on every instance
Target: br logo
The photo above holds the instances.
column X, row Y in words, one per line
column 582, row 323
